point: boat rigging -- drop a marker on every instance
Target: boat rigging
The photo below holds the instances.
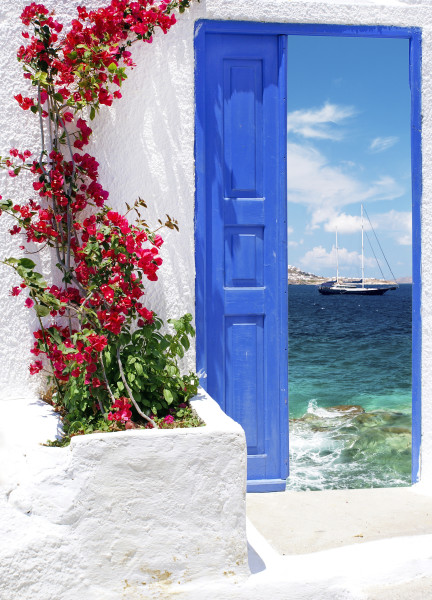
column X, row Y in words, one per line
column 357, row 286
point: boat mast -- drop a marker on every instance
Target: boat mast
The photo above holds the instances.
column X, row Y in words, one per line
column 362, row 277
column 337, row 259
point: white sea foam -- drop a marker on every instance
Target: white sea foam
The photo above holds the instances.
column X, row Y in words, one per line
column 324, row 413
column 333, row 449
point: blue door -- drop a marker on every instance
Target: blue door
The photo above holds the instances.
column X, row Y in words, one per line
column 241, row 252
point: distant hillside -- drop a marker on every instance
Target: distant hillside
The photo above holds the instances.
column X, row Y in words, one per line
column 298, row 277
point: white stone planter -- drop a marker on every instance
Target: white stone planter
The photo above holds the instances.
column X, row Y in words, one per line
column 119, row 515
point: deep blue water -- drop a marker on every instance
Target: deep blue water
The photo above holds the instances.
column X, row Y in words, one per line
column 349, row 352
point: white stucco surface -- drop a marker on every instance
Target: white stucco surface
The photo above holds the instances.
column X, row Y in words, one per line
column 154, row 514
column 83, row 521
column 122, row 513
column 145, row 145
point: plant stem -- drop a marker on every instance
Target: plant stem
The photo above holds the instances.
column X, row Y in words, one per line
column 106, row 379
column 47, row 353
column 129, row 391
column 42, row 131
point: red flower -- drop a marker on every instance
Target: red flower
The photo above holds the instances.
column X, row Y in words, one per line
column 122, row 410
column 97, row 342
column 25, row 103
column 29, row 303
column 146, row 314
column 108, row 293
column 158, row 241
column 35, row 367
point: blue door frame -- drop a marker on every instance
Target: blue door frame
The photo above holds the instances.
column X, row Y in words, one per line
column 276, row 415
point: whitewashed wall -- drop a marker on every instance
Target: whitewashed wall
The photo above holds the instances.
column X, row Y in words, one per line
column 125, row 515
column 145, row 145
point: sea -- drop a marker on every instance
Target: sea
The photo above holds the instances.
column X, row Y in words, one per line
column 349, row 389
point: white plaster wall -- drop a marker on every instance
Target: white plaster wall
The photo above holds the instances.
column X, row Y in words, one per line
column 124, row 514
column 160, row 514
column 145, row 145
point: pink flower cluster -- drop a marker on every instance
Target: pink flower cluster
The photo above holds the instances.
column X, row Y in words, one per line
column 104, row 260
column 122, row 408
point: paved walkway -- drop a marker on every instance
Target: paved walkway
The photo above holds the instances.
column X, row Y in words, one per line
column 305, row 522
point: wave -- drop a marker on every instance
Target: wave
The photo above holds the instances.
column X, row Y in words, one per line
column 345, row 446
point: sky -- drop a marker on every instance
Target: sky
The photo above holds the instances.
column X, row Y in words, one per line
column 348, row 144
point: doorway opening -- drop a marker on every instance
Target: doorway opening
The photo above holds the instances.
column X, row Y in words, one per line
column 242, row 138
column 349, row 228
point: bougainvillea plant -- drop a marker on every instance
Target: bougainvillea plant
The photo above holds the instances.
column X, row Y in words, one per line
column 104, row 350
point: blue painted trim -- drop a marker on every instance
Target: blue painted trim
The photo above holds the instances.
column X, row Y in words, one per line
column 253, row 28
column 283, row 262
column 265, row 485
column 416, row 174
column 245, row 27
column 200, row 209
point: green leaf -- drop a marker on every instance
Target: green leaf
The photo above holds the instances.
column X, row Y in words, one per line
column 50, row 299
column 55, row 335
column 112, row 68
column 77, row 426
column 42, row 311
column 124, row 338
column 92, row 113
column 107, row 358
column 185, row 342
column 164, row 343
column 138, row 383
column 6, row 204
column 40, row 76
column 58, row 97
column 26, row 263
column 168, row 396
column 172, row 370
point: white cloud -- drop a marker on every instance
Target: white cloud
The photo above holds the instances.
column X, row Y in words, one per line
column 293, row 244
column 398, row 223
column 319, row 123
column 380, row 144
column 318, row 259
column 405, row 240
column 343, row 223
column 325, row 188
column 290, row 230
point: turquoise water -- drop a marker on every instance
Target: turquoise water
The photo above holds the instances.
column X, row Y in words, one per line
column 349, row 389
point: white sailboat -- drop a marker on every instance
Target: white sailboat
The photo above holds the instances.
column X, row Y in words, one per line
column 354, row 287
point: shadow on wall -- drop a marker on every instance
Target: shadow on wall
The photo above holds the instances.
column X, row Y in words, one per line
column 146, row 144
column 256, row 563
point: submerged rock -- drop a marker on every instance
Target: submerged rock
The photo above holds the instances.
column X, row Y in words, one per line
column 352, row 409
column 397, row 430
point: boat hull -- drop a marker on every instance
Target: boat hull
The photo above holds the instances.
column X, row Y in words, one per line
column 333, row 291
